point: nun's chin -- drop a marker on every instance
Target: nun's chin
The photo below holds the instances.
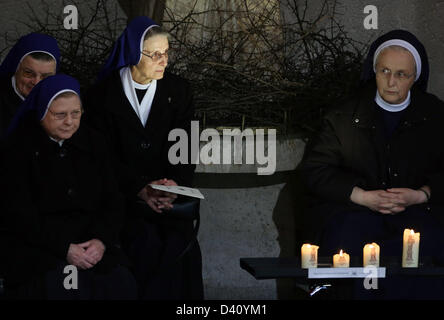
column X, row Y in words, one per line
column 159, row 76
column 65, row 134
column 393, row 98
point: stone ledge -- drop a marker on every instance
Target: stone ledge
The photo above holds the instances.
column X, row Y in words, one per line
column 289, row 153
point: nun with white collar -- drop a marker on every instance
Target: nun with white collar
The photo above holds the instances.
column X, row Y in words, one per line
column 61, row 202
column 136, row 103
column 34, row 57
column 377, row 165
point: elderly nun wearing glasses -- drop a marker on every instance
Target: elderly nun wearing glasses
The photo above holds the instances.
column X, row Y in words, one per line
column 376, row 167
column 136, row 103
column 62, row 206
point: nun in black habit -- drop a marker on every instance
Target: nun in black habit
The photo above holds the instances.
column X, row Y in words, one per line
column 34, row 57
column 377, row 165
column 62, row 205
column 136, row 103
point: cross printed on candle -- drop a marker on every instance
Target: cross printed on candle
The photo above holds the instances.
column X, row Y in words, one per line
column 341, row 260
column 410, row 250
column 313, row 255
column 372, row 253
column 410, row 243
column 309, row 256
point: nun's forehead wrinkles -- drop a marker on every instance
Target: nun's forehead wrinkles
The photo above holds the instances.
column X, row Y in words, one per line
column 395, row 48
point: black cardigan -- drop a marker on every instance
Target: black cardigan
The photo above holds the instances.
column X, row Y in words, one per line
column 141, row 153
column 9, row 103
column 54, row 196
column 351, row 150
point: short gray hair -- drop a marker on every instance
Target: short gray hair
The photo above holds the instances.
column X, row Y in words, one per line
column 156, row 31
column 42, row 56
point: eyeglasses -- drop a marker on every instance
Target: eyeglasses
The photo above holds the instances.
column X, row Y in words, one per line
column 62, row 115
column 400, row 75
column 30, row 74
column 156, row 56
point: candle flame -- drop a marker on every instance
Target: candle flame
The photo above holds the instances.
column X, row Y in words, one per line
column 371, row 246
column 412, row 232
column 340, row 252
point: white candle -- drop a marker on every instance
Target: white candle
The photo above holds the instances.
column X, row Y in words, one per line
column 309, row 256
column 410, row 250
column 341, row 260
column 371, row 255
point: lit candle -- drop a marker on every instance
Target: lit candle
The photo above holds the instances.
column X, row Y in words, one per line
column 309, row 256
column 341, row 260
column 371, row 255
column 410, row 250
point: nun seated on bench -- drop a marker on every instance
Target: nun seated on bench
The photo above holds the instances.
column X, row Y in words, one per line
column 377, row 165
column 136, row 103
column 61, row 203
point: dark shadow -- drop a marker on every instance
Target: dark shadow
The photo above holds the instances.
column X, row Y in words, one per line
column 291, row 220
column 153, row 9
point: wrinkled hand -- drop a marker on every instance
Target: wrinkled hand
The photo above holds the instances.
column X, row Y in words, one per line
column 85, row 255
column 391, row 201
column 377, row 200
column 94, row 250
column 406, row 197
column 156, row 199
column 76, row 256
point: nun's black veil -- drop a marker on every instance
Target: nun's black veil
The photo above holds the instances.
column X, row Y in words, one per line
column 367, row 70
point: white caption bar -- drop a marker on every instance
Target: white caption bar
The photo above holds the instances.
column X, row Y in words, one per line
column 328, row 273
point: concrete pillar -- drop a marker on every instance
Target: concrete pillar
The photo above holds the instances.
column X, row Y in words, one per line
column 246, row 215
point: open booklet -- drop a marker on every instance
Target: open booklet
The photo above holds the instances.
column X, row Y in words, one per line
column 186, row 191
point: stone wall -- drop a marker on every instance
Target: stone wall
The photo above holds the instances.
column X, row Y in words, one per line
column 422, row 18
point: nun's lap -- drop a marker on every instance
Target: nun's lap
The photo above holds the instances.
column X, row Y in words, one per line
column 155, row 252
column 117, row 284
column 351, row 230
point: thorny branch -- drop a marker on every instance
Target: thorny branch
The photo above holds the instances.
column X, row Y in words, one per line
column 289, row 69
column 83, row 50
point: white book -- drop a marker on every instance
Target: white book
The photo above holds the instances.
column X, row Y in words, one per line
column 186, row 191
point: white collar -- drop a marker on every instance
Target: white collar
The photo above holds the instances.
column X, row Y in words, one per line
column 15, row 88
column 143, row 108
column 60, row 142
column 140, row 86
column 392, row 107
